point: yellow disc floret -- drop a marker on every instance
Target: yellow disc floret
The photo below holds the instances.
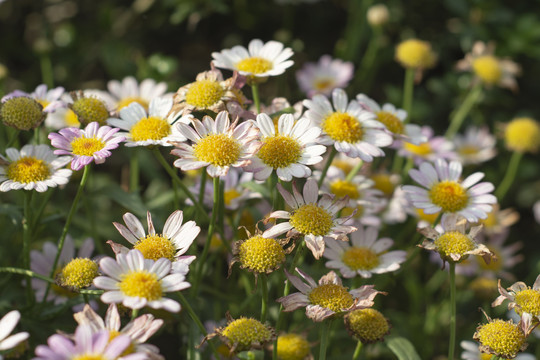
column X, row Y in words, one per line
column 217, row 149
column 28, row 169
column 141, row 284
column 502, row 338
column 454, row 242
column 261, row 255
column 360, row 258
column 280, row 151
column 86, row 146
column 342, row 188
column 384, row 183
column 204, row 93
column 71, row 119
column 488, row 69
column 155, row 247
column 528, row 301
column 430, row 218
column 89, row 109
column 79, row 273
column 150, row 128
column 415, row 54
column 254, row 65
column 230, row 195
column 311, row 219
column 449, row 195
column 292, row 347
column 129, row 350
column 367, row 325
column 246, row 332
column 391, row 121
column 343, row 127
column 89, row 357
column 523, row 135
column 420, row 150
column 22, row 113
column 331, row 296
column 131, row 99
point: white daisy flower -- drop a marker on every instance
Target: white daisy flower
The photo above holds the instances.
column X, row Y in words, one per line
column 137, row 282
column 324, row 76
column 122, row 94
column 154, row 127
column 443, row 191
column 476, row 146
column 216, row 144
column 435, row 147
column 259, row 60
column 472, row 352
column 311, row 218
column 289, row 151
column 7, row 324
column 352, row 130
column 364, row 255
column 33, row 167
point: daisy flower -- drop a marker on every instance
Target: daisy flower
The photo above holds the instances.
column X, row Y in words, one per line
column 435, row 147
column 259, row 60
column 442, row 191
column 327, row 298
column 476, row 146
column 364, row 255
column 523, row 298
column 138, row 330
column 94, row 143
column 172, row 244
column 310, row 218
column 137, row 282
column 289, row 151
column 62, row 116
column 152, row 127
column 471, row 352
column 7, row 324
column 123, row 93
column 32, row 167
column 217, row 145
column 324, row 76
column 352, row 130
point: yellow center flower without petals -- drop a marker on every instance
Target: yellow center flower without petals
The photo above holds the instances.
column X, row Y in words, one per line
column 89, row 357
column 261, row 255
column 488, row 69
column 122, row 103
column 331, row 296
column 449, row 195
column 150, row 128
column 522, row 134
column 391, row 121
column 311, row 219
column 384, row 183
column 22, row 113
column 419, row 150
column 217, row 149
column 79, row 273
column 204, row 93
column 280, row 151
column 141, row 284
column 292, row 347
column 28, row 169
column 343, row 127
column 342, row 188
column 155, row 247
column 254, row 65
column 415, row 54
column 367, row 325
column 246, row 331
column 131, row 347
column 84, row 146
column 360, row 258
column 528, row 301
column 89, row 109
column 504, row 338
column 454, row 242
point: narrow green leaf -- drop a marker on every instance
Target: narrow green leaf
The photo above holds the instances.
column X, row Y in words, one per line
column 402, row 348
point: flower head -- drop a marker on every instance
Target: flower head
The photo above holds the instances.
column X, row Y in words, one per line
column 78, row 274
column 292, row 346
column 89, row 108
column 471, row 352
column 435, row 147
column 378, row 15
column 21, row 112
column 415, row 54
column 324, row 76
column 7, row 324
column 367, row 325
column 522, row 135
column 476, row 146
column 125, row 92
column 523, row 298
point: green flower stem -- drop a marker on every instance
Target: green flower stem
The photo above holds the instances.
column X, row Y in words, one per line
column 509, row 176
column 333, row 153
column 72, row 211
column 452, row 343
column 457, row 120
column 27, row 273
column 357, row 351
column 408, row 91
column 408, row 166
column 36, row 136
column 204, row 177
column 274, row 193
column 325, row 337
column 27, row 238
column 134, row 171
column 354, row 171
column 46, row 70
column 134, row 313
column 366, row 66
column 355, row 30
column 264, row 302
column 256, row 99
column 13, row 138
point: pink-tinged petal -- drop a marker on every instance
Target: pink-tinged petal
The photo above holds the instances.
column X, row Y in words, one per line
column 111, row 267
column 472, row 179
column 289, row 199
column 315, row 244
column 311, row 191
column 166, row 304
column 117, row 346
column 106, row 283
column 293, row 301
column 112, row 297
column 134, row 225
column 277, row 230
column 318, row 313
column 173, row 224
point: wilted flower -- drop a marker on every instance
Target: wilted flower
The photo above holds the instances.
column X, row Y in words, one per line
column 523, row 299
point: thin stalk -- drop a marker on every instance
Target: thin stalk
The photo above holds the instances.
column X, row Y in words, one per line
column 134, row 313
column 355, row 30
column 272, row 181
column 46, row 70
column 256, row 99
column 14, row 136
column 457, row 120
column 509, row 176
column 36, row 136
column 408, row 91
column 27, row 273
column 134, row 171
column 366, row 66
column 333, row 153
column 27, row 238
column 354, row 171
column 325, row 337
column 264, row 302
column 204, row 176
column 452, row 343
column 357, row 351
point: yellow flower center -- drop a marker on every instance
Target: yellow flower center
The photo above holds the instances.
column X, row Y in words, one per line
column 155, row 247
column 131, row 347
column 487, row 68
column 141, row 284
column 71, row 119
column 391, row 121
column 331, row 296
column 205, row 93
column 528, row 301
column 60, row 290
column 468, row 150
column 22, row 113
column 230, row 195
column 245, row 331
column 217, row 149
column 28, row 169
column 311, row 219
column 367, row 325
column 86, row 146
column 343, row 127
column 122, row 103
column 279, row 151
column 449, row 195
column 342, row 188
column 504, row 338
column 430, row 218
column 420, row 150
column 292, row 347
column 522, row 134
column 89, row 110
column 261, row 255
column 89, row 357
column 43, row 103
column 415, row 54
column 344, row 165
column 254, row 65
column 79, row 273
column 150, row 128
column 383, row 183
column 454, row 242
column 360, row 258
column 322, row 84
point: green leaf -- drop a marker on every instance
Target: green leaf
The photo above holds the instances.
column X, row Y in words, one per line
column 402, row 348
